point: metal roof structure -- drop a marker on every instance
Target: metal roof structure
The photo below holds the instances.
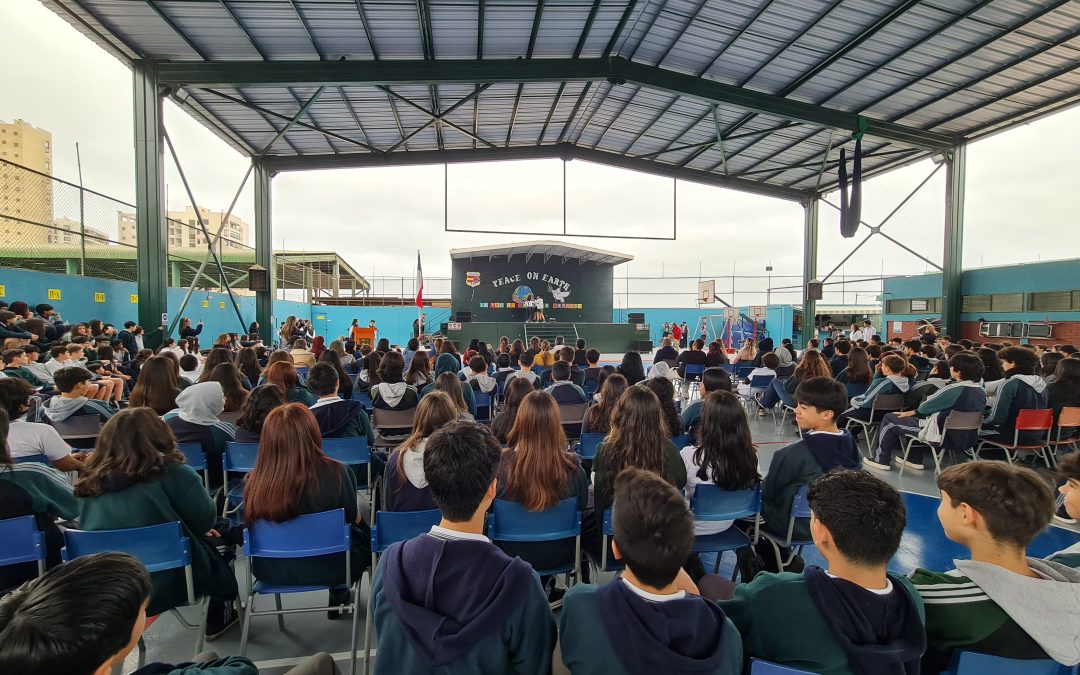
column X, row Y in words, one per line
column 547, row 249
column 756, row 95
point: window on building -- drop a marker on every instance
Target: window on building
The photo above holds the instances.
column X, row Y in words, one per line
column 1054, row 301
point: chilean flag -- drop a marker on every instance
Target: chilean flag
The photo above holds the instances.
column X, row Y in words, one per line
column 420, row 282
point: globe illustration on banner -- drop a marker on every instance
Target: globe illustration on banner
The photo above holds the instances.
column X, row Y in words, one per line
column 520, row 293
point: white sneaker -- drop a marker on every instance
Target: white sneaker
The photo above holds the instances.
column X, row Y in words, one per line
column 900, row 461
column 870, row 464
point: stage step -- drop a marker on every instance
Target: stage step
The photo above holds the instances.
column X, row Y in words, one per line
column 550, row 330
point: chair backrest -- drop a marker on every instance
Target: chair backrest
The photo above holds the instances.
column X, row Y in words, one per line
column 194, row 455
column 572, row 413
column 590, row 388
column 759, row 667
column 693, row 370
column 784, row 372
column 20, row 541
column 1030, row 419
column 743, row 371
column 39, row 458
column 854, row 390
column 311, row 534
column 587, row 445
column 963, row 421
column 483, row 402
column 761, row 381
column 393, row 419
column 302, row 372
column 1069, row 417
column 973, row 663
column 712, row 503
column 681, row 441
column 509, row 521
column 229, row 417
column 728, row 368
column 348, row 451
column 888, row 402
column 158, row 547
column 394, row 526
column 78, row 426
column 800, row 505
column 240, row 457
column 364, row 397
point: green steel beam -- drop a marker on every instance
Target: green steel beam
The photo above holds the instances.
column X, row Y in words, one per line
column 151, row 232
column 564, row 151
column 371, row 73
column 810, row 260
column 953, row 258
column 264, row 250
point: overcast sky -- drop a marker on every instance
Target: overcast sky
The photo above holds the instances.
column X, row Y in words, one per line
column 1021, row 192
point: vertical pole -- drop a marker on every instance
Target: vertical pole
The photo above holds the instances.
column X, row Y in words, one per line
column 82, row 214
column 953, row 256
column 264, row 250
column 151, row 235
column 174, row 272
column 810, row 259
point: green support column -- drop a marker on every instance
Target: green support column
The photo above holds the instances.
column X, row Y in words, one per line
column 264, row 250
column 953, row 258
column 151, row 235
column 174, row 273
column 810, row 255
column 71, row 266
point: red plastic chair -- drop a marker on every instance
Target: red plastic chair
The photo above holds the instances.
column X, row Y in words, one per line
column 1028, row 420
column 1068, row 419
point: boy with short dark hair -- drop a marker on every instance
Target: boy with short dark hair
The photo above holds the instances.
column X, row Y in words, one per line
column 525, row 364
column 651, row 619
column 449, row 599
column 73, row 385
column 1021, row 389
column 840, row 361
column 35, row 366
column 337, row 417
column 823, row 447
column 189, row 370
column 15, row 361
column 852, row 618
column 713, row 379
column 1000, row 602
column 477, row 378
column 592, row 369
column 562, row 389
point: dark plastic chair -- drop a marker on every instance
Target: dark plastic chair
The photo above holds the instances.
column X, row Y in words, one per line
column 956, row 421
column 800, row 508
column 759, row 667
column 509, row 521
column 587, row 445
column 237, row 458
column 365, row 399
column 879, row 407
column 973, row 663
column 691, row 374
column 78, row 427
column 21, row 542
column 350, row 452
column 159, row 548
column 306, row 536
column 40, row 459
column 710, row 503
column 483, row 403
column 195, row 457
column 606, row 532
column 681, row 441
column 742, row 371
column 571, row 416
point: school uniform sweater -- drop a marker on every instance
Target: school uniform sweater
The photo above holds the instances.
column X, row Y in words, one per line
column 829, row 626
column 32, row 488
column 985, row 608
column 617, row 628
column 175, row 495
column 212, row 438
column 299, row 394
column 797, row 465
column 603, row 483
column 24, row 374
column 1018, row 392
column 58, row 409
column 894, row 384
column 339, row 418
column 964, row 396
column 449, row 604
column 566, row 393
column 408, row 490
column 228, row 665
column 838, row 364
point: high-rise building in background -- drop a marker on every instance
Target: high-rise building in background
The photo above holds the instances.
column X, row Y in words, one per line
column 184, row 231
column 25, row 197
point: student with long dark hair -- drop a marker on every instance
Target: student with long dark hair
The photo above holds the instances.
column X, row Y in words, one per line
column 665, row 392
column 631, row 368
column 247, row 362
column 369, row 372
column 419, row 371
column 262, row 399
column 992, row 370
column 450, row 385
column 406, row 485
column 598, row 416
column 516, row 390
column 1065, row 391
column 215, row 357
column 858, row 370
column 283, row 375
column 638, row 438
column 136, row 477
column 1021, row 389
column 227, row 375
column 292, row 477
column 157, row 386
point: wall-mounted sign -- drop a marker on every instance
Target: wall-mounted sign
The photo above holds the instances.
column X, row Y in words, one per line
column 221, row 304
column 206, row 304
column 453, row 325
column 3, row 291
column 99, row 297
column 54, row 293
column 320, row 317
column 134, row 299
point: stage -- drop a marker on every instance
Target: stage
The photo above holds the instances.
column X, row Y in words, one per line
column 613, row 338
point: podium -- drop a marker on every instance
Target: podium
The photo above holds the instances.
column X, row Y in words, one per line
column 364, row 336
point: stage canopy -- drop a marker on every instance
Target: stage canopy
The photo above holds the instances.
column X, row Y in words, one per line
column 545, row 249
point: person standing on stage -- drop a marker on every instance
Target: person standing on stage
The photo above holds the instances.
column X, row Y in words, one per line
column 539, row 304
column 419, row 326
column 676, row 332
column 685, row 335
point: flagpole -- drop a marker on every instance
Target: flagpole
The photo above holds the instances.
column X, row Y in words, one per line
column 416, row 288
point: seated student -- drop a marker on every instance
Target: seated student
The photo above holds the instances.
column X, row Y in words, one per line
column 228, row 376
column 190, row 370
column 258, row 405
column 812, row 364
column 892, row 381
column 723, row 455
column 15, row 361
column 337, row 418
column 32, row 489
column 769, row 363
column 823, row 447
column 405, row 485
column 40, row 371
column 1069, row 472
column 828, row 348
column 477, row 376
column 516, row 391
column 562, row 389
column 694, row 356
column 927, row 422
column 581, row 358
column 461, row 396
column 852, row 617
column 716, row 355
column 651, row 619
column 538, row 472
column 630, row 367
column 302, row 357
column 156, row 387
column 503, row 367
column 913, row 353
column 195, row 420
column 392, row 392
column 991, row 364
column 136, row 477
column 577, row 375
column 840, row 360
column 73, row 384
column 525, row 371
column 500, row 618
column 1021, row 389
column 30, row 439
column 667, row 351
column 665, row 392
column 713, row 379
column 859, row 370
column 999, row 602
column 293, row 477
column 638, row 438
column 592, row 368
column 1064, row 391
column 597, row 418
column 369, row 373
column 345, row 383
column 283, row 375
column 418, row 374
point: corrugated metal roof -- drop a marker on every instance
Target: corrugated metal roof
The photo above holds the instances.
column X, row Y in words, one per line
column 545, row 248
column 965, row 68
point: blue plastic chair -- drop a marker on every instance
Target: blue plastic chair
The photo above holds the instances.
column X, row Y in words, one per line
column 40, row 459
column 681, row 441
column 742, row 371
column 159, row 548
column 195, row 457
column 306, row 536
column 509, row 521
column 800, row 508
column 350, row 452
column 728, row 368
column 692, row 371
column 606, row 532
column 973, row 663
column 710, row 503
column 587, row 445
column 365, row 399
column 238, row 458
column 759, row 667
column 854, row 390
column 388, row 528
column 483, row 403
column 21, row 542
column 590, row 388
column 302, row 372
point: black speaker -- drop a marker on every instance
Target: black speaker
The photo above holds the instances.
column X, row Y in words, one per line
column 463, row 317
column 635, row 317
column 644, row 346
column 814, row 290
column 258, row 278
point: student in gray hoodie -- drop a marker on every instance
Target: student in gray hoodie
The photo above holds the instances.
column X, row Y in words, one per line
column 892, row 380
column 1021, row 389
column 73, row 384
column 1000, row 602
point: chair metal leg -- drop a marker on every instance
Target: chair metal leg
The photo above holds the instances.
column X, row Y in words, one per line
column 352, row 634
column 247, row 623
column 200, row 636
column 280, row 617
column 368, row 620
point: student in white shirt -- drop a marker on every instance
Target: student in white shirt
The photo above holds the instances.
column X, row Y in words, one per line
column 29, row 439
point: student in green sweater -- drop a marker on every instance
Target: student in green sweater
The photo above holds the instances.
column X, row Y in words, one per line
column 852, row 618
column 136, row 477
column 15, row 361
column 1000, row 602
column 1069, row 471
column 652, row 619
column 293, row 477
column 85, row 617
